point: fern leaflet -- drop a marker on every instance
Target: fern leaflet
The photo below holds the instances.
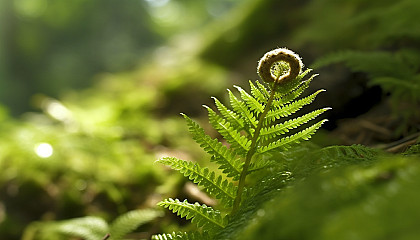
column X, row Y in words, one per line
column 231, row 116
column 227, row 160
column 250, row 101
column 242, row 109
column 286, row 142
column 258, row 93
column 201, row 215
column 128, row 222
column 181, row 236
column 281, row 128
column 239, row 143
column 214, row 185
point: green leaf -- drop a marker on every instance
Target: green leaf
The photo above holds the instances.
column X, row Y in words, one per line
column 131, row 220
column 282, row 128
column 289, row 109
column 250, row 101
column 214, row 184
column 181, row 236
column 89, row 228
column 233, row 118
column 227, row 159
column 282, row 99
column 261, row 95
column 239, row 143
column 241, row 108
column 201, row 215
column 286, row 142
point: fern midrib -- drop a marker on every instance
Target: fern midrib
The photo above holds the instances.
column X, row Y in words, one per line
column 251, row 152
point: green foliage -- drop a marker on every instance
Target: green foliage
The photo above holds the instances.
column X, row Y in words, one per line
column 200, row 214
column 104, row 142
column 395, row 72
column 92, row 228
column 214, row 184
column 181, row 235
column 355, row 201
column 226, row 159
column 254, row 125
column 377, row 38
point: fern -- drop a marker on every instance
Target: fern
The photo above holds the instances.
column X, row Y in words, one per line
column 181, row 235
column 94, row 228
column 204, row 216
column 253, row 127
column 214, row 184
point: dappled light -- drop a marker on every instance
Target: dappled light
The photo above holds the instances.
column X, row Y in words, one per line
column 44, row 150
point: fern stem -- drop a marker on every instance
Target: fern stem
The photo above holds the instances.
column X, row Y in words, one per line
column 251, row 152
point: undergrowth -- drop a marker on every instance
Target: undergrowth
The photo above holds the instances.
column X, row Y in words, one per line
column 273, row 185
column 270, row 182
column 255, row 126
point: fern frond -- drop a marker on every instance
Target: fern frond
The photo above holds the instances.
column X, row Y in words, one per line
column 292, row 85
column 282, row 128
column 285, row 143
column 215, row 185
column 349, row 154
column 233, row 118
column 292, row 95
column 239, row 143
column 181, row 236
column 241, row 108
column 201, row 215
column 129, row 221
column 263, row 89
column 291, row 108
column 227, row 159
column 89, row 228
column 250, row 101
column 259, row 94
column 260, row 165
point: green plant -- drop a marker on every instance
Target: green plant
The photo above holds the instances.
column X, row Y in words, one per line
column 396, row 72
column 256, row 126
column 375, row 38
column 91, row 228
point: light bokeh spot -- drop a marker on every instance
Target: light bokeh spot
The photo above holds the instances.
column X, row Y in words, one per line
column 44, row 150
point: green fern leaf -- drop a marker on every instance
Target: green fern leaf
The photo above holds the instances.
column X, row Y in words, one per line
column 239, row 143
column 89, row 228
column 213, row 184
column 241, row 108
column 261, row 95
column 260, row 165
column 281, row 100
column 292, row 85
column 291, row 108
column 282, row 128
column 181, row 236
column 348, row 154
column 233, row 118
column 286, row 142
column 227, row 159
column 250, row 101
column 201, row 215
column 129, row 221
column 263, row 89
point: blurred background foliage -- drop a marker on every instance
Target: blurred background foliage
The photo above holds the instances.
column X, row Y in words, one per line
column 90, row 91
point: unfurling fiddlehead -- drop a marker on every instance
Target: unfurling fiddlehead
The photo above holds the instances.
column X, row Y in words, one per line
column 281, row 57
column 251, row 126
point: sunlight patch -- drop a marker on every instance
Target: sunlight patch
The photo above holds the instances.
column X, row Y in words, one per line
column 44, row 150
